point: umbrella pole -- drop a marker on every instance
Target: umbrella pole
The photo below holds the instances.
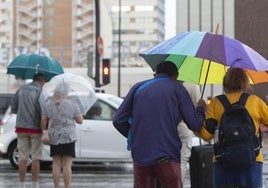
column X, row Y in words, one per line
column 203, row 90
column 205, row 83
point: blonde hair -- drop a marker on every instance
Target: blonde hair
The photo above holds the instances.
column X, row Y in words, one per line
column 235, row 80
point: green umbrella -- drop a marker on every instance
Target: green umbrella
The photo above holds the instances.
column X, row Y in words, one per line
column 25, row 66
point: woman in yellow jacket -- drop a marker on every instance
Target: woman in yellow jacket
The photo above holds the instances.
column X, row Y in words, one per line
column 235, row 82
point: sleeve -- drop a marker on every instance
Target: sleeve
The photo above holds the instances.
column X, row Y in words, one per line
column 42, row 100
column 192, row 117
column 45, row 109
column 212, row 119
column 123, row 114
column 14, row 103
column 263, row 108
column 76, row 109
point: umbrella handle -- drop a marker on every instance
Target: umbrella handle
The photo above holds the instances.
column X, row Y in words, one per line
column 205, row 83
column 36, row 68
column 203, row 90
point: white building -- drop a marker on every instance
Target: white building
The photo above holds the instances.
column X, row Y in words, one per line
column 142, row 26
column 6, row 29
column 204, row 15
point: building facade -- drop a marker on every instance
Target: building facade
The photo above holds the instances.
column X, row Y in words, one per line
column 142, row 26
column 204, row 15
column 251, row 24
column 63, row 30
column 66, row 30
column 6, row 30
column 245, row 20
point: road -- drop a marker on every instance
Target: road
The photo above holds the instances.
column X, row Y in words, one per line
column 84, row 176
column 114, row 175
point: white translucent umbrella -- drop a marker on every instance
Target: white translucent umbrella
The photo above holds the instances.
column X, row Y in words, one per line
column 81, row 90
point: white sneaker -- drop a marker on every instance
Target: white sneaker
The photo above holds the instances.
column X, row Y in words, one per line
column 35, row 185
column 21, row 184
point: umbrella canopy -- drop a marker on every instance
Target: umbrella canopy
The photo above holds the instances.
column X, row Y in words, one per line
column 206, row 46
column 197, row 70
column 203, row 57
column 81, row 90
column 25, row 66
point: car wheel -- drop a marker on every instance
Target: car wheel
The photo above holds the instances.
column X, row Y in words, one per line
column 14, row 156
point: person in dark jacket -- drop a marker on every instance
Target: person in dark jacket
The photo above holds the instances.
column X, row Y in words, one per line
column 149, row 116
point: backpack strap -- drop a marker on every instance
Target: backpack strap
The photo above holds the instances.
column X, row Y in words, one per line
column 243, row 98
column 242, row 101
column 224, row 101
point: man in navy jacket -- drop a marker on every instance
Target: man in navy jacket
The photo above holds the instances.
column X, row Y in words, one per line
column 149, row 116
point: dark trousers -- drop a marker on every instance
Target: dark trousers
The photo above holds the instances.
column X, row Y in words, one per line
column 168, row 173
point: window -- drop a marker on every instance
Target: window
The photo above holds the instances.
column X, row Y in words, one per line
column 144, row 8
column 100, row 111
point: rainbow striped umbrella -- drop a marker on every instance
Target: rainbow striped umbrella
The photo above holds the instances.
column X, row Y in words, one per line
column 203, row 57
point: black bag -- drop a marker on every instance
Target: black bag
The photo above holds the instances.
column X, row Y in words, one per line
column 200, row 163
column 237, row 146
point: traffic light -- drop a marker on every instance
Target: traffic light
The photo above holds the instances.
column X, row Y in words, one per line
column 106, row 71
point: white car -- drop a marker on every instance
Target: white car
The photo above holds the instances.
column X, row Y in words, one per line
column 98, row 140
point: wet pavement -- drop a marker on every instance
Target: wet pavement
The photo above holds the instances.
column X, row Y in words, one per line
column 94, row 176
column 84, row 176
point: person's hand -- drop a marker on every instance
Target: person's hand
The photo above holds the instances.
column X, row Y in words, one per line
column 202, row 103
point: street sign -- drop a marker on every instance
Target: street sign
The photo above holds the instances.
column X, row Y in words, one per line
column 100, row 46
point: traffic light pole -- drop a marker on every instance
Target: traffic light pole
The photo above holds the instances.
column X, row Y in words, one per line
column 119, row 51
column 97, row 34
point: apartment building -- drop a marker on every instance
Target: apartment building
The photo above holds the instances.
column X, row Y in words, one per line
column 66, row 29
column 6, row 29
column 142, row 26
column 204, row 15
column 61, row 29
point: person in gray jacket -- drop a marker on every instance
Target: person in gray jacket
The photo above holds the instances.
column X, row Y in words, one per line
column 27, row 107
